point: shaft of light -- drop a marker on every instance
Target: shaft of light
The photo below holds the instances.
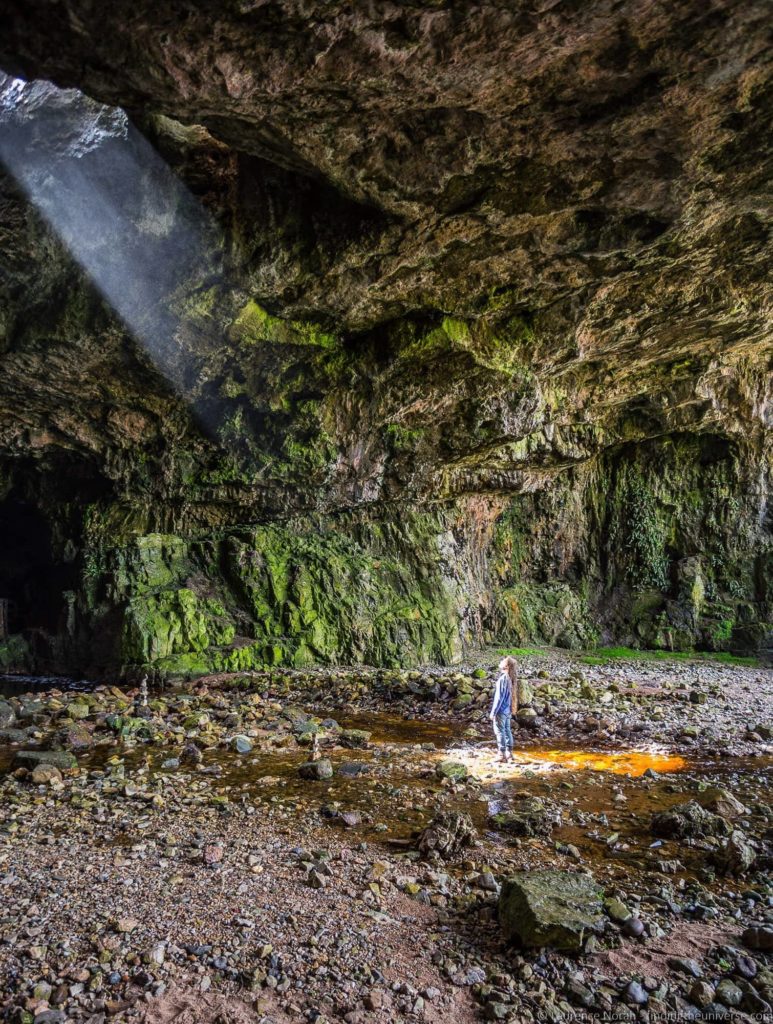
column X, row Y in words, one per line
column 135, row 229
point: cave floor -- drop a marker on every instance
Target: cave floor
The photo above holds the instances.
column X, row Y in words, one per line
column 170, row 877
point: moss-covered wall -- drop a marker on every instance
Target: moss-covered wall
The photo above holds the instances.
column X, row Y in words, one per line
column 340, row 429
column 351, row 588
column 665, row 544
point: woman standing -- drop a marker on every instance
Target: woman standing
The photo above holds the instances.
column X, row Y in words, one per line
column 505, row 696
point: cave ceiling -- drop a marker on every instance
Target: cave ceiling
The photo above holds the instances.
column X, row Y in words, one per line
column 455, row 248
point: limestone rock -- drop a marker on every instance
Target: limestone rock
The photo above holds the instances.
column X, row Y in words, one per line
column 447, row 834
column 550, row 908
column 688, row 820
column 413, row 324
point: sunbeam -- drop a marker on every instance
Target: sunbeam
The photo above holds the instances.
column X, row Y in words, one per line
column 122, row 214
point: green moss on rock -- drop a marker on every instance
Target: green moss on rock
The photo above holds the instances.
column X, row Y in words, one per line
column 304, row 592
column 254, row 324
column 15, row 654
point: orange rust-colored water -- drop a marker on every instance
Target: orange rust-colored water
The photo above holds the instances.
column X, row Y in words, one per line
column 632, row 762
column 484, row 763
column 619, row 762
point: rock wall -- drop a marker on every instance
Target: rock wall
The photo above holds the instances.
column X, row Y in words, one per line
column 659, row 545
column 665, row 544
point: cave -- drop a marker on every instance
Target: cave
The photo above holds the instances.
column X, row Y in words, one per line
column 30, row 578
column 386, row 548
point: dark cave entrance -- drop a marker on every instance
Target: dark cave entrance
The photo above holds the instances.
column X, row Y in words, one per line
column 32, row 579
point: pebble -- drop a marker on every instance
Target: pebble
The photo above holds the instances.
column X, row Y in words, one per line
column 635, row 993
column 728, row 993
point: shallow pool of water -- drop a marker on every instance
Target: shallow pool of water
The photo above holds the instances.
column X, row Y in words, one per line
column 631, row 762
column 16, row 686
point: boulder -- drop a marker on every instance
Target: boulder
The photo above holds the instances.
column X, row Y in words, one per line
column 51, row 1017
column 13, row 736
column 633, row 928
column 191, row 754
column 61, row 759
column 453, row 770
column 687, row 821
column 354, row 738
column 316, row 770
column 550, row 908
column 295, row 716
column 735, row 856
column 77, row 737
column 306, row 731
column 78, row 710
column 45, row 775
column 722, row 802
column 7, row 715
column 525, row 693
column 241, row 744
column 526, row 717
column 446, row 834
column 616, row 910
column 529, row 816
column 685, row 965
column 701, row 993
column 728, row 993
column 352, row 769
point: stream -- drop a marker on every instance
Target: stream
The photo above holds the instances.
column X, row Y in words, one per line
column 600, row 798
column 605, row 797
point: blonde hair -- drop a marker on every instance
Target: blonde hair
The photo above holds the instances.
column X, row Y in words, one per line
column 509, row 665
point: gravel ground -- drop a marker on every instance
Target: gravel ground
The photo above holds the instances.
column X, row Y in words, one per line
column 184, row 870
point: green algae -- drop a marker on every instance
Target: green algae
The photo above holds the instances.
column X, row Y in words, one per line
column 605, row 655
column 254, row 324
column 285, row 594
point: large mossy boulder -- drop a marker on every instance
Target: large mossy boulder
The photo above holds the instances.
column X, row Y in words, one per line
column 455, row 771
column 61, row 759
column 529, row 816
column 558, row 909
